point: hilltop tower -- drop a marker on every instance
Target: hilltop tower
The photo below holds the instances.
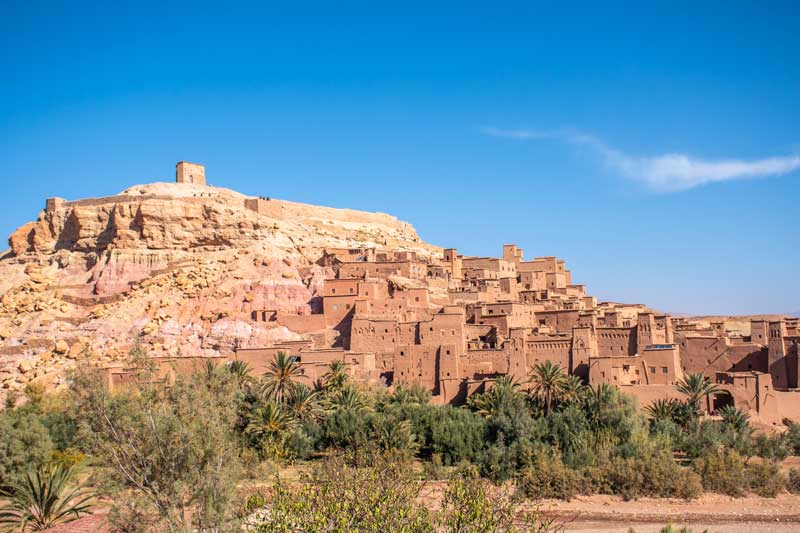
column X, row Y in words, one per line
column 186, row 172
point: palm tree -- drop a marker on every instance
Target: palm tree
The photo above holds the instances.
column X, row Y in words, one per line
column 496, row 400
column 405, row 394
column 695, row 387
column 347, row 398
column 574, row 389
column 240, row 371
column 336, row 376
column 547, row 384
column 280, row 376
column 303, row 402
column 662, row 409
column 44, row 500
column 210, row 370
column 270, row 422
column 394, row 434
column 734, row 417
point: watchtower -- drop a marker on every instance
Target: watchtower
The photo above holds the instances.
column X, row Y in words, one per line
column 186, row 172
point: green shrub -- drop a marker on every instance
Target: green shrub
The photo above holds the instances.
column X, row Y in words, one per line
column 347, row 428
column 793, row 435
column 549, row 478
column 722, row 471
column 793, row 481
column 765, row 479
column 472, row 506
column 773, row 448
column 655, row 475
column 25, row 444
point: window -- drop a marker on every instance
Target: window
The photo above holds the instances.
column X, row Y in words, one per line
column 333, row 291
column 664, row 370
column 652, row 370
column 347, row 306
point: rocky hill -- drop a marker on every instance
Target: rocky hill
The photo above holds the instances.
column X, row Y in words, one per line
column 176, row 266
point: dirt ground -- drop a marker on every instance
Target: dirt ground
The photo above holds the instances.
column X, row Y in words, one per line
column 713, row 512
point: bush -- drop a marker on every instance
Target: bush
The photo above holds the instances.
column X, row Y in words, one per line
column 773, row 448
column 501, row 462
column 167, row 448
column 793, row 435
column 471, row 505
column 372, row 492
column 358, row 492
column 347, row 428
column 765, row 479
column 722, row 471
column 793, row 481
column 549, row 478
column 452, row 433
column 656, row 476
column 25, row 444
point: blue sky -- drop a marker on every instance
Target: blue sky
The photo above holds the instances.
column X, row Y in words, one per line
column 653, row 146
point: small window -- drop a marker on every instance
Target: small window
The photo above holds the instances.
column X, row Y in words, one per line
column 665, row 370
column 652, row 370
column 333, row 291
column 347, row 306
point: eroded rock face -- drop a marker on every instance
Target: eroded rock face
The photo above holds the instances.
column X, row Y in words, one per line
column 178, row 267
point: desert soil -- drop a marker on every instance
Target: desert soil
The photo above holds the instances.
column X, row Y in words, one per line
column 713, row 512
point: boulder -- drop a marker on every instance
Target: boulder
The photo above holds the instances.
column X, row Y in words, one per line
column 61, row 347
column 25, row 366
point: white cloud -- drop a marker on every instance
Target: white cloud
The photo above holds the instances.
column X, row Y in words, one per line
column 668, row 172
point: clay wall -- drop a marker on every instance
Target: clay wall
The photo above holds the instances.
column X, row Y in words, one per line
column 616, row 341
column 539, row 349
column 340, row 287
column 558, row 321
column 302, row 323
column 663, row 364
column 337, row 308
column 416, row 364
column 503, row 269
column 618, row 371
column 373, row 335
column 548, row 264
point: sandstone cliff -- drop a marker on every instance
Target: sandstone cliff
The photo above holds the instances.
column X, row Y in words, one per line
column 178, row 267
